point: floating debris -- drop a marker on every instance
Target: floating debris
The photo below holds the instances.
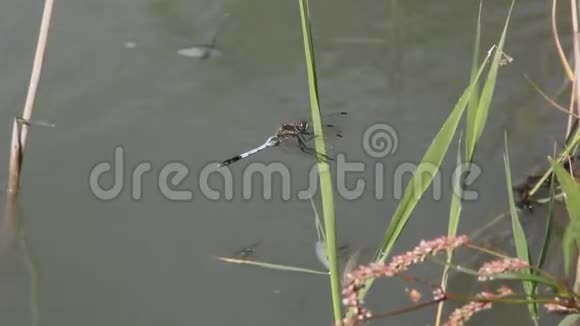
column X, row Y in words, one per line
column 130, row 45
column 200, row 52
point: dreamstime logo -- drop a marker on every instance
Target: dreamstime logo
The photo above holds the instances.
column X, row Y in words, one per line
column 378, row 141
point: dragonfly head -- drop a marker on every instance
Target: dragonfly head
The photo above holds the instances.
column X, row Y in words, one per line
column 303, row 125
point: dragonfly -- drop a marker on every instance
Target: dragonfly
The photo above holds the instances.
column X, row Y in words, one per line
column 297, row 132
column 39, row 123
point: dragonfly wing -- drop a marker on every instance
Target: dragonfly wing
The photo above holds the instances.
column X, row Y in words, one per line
column 332, row 124
column 35, row 122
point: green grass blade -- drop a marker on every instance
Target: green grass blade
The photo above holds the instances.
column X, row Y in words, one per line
column 456, row 199
column 454, row 215
column 417, row 185
column 323, row 169
column 474, row 100
column 570, row 148
column 479, row 119
column 421, row 180
column 548, row 232
column 520, row 239
column 431, row 161
column 456, row 204
column 571, row 189
column 265, row 265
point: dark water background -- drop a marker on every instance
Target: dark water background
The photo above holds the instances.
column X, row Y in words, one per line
column 112, row 77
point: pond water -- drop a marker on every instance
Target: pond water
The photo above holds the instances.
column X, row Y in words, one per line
column 114, row 79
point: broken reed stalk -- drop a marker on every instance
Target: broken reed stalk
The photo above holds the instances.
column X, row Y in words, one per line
column 20, row 130
column 15, row 159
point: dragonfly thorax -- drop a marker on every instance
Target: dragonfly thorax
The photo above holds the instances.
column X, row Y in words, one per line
column 293, row 128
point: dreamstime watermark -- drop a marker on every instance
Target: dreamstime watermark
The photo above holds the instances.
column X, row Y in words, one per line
column 258, row 179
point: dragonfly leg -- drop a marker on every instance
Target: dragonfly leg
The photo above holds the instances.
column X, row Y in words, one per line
column 310, row 134
column 306, row 139
column 309, row 138
column 304, row 148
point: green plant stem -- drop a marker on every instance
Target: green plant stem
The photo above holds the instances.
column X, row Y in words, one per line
column 323, row 168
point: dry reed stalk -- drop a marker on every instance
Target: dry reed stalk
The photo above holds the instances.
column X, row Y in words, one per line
column 577, row 89
column 576, row 41
column 20, row 131
column 558, row 45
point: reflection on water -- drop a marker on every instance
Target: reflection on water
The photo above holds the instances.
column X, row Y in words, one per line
column 13, row 239
column 247, row 252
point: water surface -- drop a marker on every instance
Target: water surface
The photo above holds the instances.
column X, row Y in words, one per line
column 150, row 261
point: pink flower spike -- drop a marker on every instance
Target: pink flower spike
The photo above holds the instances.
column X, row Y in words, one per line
column 462, row 314
column 358, row 277
column 505, row 265
column 563, row 306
